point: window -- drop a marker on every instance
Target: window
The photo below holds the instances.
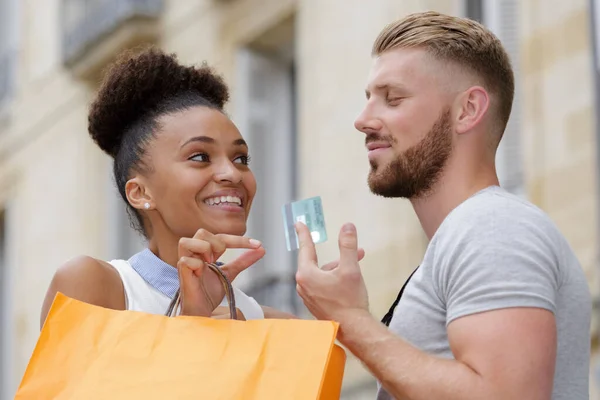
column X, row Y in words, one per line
column 7, row 378
column 3, row 356
column 595, row 26
column 8, row 47
column 266, row 97
column 595, row 31
column 474, row 10
column 502, row 17
column 93, row 32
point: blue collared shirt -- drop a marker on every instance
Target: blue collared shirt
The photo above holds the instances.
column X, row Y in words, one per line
column 160, row 275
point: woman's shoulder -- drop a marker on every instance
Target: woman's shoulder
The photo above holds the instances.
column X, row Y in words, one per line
column 89, row 280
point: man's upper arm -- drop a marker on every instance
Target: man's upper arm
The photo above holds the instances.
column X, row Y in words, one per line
column 513, row 350
column 87, row 280
column 499, row 282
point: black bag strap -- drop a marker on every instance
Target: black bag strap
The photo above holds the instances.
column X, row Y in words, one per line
column 388, row 317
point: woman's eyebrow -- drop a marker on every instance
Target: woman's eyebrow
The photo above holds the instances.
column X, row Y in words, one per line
column 209, row 140
column 202, row 139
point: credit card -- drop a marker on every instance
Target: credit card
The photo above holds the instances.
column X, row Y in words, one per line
column 310, row 213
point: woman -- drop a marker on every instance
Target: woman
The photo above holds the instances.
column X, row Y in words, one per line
column 181, row 166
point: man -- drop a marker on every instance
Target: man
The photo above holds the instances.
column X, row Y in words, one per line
column 499, row 307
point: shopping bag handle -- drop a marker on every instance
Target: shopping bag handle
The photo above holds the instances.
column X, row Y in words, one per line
column 176, row 302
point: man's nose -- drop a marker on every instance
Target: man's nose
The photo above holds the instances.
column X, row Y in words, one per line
column 367, row 121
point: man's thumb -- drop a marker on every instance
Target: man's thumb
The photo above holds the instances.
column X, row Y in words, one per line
column 348, row 243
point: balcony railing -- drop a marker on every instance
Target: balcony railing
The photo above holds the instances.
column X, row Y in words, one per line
column 86, row 22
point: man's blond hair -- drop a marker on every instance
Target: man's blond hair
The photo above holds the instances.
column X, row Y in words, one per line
column 460, row 41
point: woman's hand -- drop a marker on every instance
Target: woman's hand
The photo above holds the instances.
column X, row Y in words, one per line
column 201, row 289
column 223, row 313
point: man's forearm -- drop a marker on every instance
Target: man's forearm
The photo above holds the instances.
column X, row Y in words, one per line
column 404, row 371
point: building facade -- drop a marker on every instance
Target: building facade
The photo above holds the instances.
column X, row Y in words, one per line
column 297, row 70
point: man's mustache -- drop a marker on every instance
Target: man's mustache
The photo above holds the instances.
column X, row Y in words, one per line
column 374, row 137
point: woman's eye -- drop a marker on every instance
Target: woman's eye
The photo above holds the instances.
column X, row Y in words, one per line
column 395, row 101
column 245, row 160
column 200, row 157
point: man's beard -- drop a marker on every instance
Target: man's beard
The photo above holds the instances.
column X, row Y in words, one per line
column 414, row 173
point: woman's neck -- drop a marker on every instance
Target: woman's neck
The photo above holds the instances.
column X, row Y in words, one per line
column 165, row 247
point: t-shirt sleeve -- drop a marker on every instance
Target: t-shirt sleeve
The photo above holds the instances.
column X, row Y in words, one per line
column 496, row 261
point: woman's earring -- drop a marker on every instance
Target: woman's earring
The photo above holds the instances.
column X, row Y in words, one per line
column 147, row 206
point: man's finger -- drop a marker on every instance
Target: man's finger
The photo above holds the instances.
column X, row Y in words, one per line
column 247, row 259
column 348, row 243
column 334, row 264
column 307, row 254
column 361, row 254
column 331, row 265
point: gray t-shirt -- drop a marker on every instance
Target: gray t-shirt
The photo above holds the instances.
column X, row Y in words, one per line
column 496, row 251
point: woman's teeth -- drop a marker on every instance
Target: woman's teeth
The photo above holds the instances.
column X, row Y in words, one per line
column 226, row 200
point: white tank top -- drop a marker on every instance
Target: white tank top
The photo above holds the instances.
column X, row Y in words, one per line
column 141, row 296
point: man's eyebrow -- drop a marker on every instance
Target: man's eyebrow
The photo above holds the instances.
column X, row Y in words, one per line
column 386, row 87
column 391, row 86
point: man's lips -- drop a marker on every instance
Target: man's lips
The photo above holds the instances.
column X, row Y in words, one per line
column 376, row 148
column 377, row 145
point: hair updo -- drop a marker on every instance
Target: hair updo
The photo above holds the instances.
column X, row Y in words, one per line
column 137, row 90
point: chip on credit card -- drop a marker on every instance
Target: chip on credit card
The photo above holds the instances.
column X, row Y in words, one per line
column 309, row 212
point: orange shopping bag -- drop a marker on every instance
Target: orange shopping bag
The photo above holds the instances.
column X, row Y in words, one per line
column 88, row 352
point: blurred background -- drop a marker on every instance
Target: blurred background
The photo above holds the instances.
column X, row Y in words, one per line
column 297, row 70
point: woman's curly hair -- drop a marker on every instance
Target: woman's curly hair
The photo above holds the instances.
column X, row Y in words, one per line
column 138, row 89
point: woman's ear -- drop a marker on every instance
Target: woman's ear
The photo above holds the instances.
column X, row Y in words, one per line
column 138, row 194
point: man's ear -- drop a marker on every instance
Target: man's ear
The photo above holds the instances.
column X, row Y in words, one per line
column 472, row 105
column 138, row 194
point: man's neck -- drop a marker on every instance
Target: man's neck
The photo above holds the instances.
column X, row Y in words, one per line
column 451, row 190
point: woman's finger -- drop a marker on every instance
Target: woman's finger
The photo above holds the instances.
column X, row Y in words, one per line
column 232, row 269
column 211, row 247
column 194, row 298
column 217, row 244
column 190, row 247
column 239, row 242
column 222, row 312
column 230, row 241
column 195, row 265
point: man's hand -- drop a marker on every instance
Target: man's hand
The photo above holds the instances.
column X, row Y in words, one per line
column 338, row 288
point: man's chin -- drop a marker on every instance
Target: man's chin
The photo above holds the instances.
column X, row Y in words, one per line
column 379, row 188
column 386, row 186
